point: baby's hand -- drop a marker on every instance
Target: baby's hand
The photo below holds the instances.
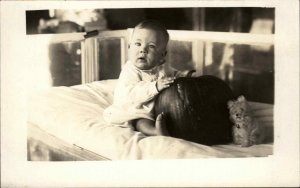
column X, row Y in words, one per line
column 164, row 83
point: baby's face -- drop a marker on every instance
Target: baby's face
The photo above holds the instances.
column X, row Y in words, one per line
column 147, row 48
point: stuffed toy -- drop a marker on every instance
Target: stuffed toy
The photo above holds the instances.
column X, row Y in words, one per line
column 246, row 130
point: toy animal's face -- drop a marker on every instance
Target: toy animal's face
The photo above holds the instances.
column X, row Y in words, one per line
column 238, row 110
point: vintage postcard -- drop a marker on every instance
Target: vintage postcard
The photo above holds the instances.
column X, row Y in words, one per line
column 149, row 93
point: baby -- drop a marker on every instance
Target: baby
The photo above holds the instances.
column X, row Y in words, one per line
column 141, row 79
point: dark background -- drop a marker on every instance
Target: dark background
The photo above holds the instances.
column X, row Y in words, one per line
column 208, row 19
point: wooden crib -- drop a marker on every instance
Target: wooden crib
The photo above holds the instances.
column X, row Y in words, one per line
column 55, row 139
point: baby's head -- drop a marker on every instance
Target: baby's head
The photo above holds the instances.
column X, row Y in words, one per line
column 147, row 47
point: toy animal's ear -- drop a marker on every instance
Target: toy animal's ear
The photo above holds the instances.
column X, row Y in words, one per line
column 241, row 98
column 230, row 104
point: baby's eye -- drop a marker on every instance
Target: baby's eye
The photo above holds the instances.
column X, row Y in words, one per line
column 151, row 46
column 137, row 44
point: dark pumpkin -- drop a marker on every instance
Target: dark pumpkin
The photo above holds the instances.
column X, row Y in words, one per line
column 196, row 109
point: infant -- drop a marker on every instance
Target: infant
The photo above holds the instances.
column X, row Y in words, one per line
column 141, row 79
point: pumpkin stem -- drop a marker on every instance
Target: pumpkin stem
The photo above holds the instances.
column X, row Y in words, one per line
column 190, row 73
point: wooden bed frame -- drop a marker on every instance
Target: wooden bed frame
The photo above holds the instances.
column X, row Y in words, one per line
column 42, row 146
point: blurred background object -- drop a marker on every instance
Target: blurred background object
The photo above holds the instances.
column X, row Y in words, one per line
column 56, row 21
column 227, row 19
column 65, row 61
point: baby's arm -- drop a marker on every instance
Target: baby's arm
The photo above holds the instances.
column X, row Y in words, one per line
column 144, row 91
column 133, row 89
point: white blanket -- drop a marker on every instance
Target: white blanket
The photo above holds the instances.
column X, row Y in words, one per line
column 74, row 114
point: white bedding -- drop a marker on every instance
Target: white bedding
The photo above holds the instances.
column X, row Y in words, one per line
column 74, row 114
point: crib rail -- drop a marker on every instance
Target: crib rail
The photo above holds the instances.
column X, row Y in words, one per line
column 43, row 146
column 90, row 60
column 199, row 40
column 223, row 37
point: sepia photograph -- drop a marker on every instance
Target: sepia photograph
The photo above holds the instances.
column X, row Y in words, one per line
column 119, row 88
column 106, row 87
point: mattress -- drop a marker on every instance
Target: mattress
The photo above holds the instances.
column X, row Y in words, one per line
column 74, row 115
